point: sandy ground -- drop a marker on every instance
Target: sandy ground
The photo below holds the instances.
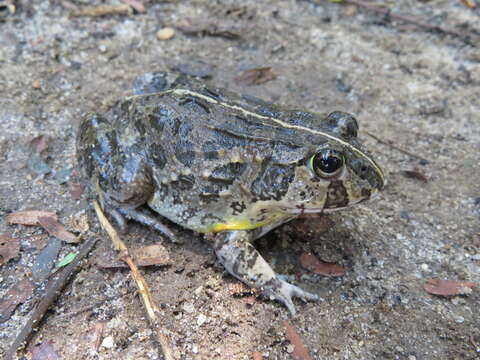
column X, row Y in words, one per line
column 414, row 89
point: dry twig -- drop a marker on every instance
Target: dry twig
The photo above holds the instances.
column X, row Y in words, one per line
column 390, row 143
column 143, row 289
column 54, row 288
column 389, row 15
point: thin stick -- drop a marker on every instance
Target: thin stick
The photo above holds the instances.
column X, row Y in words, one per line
column 54, row 287
column 387, row 13
column 150, row 307
column 389, row 143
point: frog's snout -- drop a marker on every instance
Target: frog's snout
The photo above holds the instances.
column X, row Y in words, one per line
column 368, row 170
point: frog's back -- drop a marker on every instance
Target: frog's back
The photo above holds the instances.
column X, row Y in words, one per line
column 198, row 155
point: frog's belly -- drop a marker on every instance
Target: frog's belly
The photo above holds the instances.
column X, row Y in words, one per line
column 213, row 217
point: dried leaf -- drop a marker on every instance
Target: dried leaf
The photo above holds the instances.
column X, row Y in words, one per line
column 257, row 356
column 29, row 217
column 311, row 263
column 300, row 352
column 9, row 248
column 151, row 255
column 250, row 300
column 448, row 287
column 76, row 189
column 415, row 174
column 54, row 228
column 103, row 10
column 40, row 143
column 16, row 295
column 44, row 351
column 135, row 4
column 146, row 256
column 256, row 76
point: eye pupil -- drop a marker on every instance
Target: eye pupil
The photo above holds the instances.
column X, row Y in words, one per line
column 327, row 163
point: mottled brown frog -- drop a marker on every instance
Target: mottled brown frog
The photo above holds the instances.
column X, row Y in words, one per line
column 221, row 163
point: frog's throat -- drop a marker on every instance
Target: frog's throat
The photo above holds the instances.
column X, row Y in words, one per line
column 278, row 121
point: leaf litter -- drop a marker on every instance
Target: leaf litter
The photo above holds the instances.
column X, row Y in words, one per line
column 448, row 287
column 313, row 264
column 9, row 248
column 16, row 295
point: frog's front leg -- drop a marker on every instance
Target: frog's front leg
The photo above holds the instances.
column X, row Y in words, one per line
column 235, row 251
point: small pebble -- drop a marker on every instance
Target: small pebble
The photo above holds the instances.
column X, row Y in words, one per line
column 290, row 348
column 188, row 307
column 37, row 84
column 108, row 342
column 201, row 319
column 198, row 290
column 166, row 33
column 424, row 267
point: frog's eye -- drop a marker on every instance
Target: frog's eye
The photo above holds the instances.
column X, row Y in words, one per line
column 326, row 163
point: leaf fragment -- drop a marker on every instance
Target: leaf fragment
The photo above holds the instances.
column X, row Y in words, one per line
column 17, row 294
column 300, row 351
column 146, row 256
column 40, row 143
column 151, row 255
column 54, row 228
column 415, row 174
column 9, row 248
column 29, row 217
column 256, row 356
column 313, row 264
column 256, row 76
column 448, row 287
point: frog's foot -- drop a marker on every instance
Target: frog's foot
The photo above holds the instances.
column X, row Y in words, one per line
column 282, row 291
column 242, row 260
column 143, row 218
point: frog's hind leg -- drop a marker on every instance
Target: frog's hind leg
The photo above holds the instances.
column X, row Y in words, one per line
column 235, row 251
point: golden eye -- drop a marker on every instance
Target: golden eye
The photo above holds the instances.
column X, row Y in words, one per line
column 326, row 163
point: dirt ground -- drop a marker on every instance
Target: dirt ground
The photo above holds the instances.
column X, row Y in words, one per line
column 416, row 91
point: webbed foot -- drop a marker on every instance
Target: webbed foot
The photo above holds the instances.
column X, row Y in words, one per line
column 242, row 260
column 283, row 292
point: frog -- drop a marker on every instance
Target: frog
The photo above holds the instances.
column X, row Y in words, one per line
column 223, row 164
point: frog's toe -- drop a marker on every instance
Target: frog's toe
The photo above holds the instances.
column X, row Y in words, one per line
column 148, row 220
column 283, row 292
